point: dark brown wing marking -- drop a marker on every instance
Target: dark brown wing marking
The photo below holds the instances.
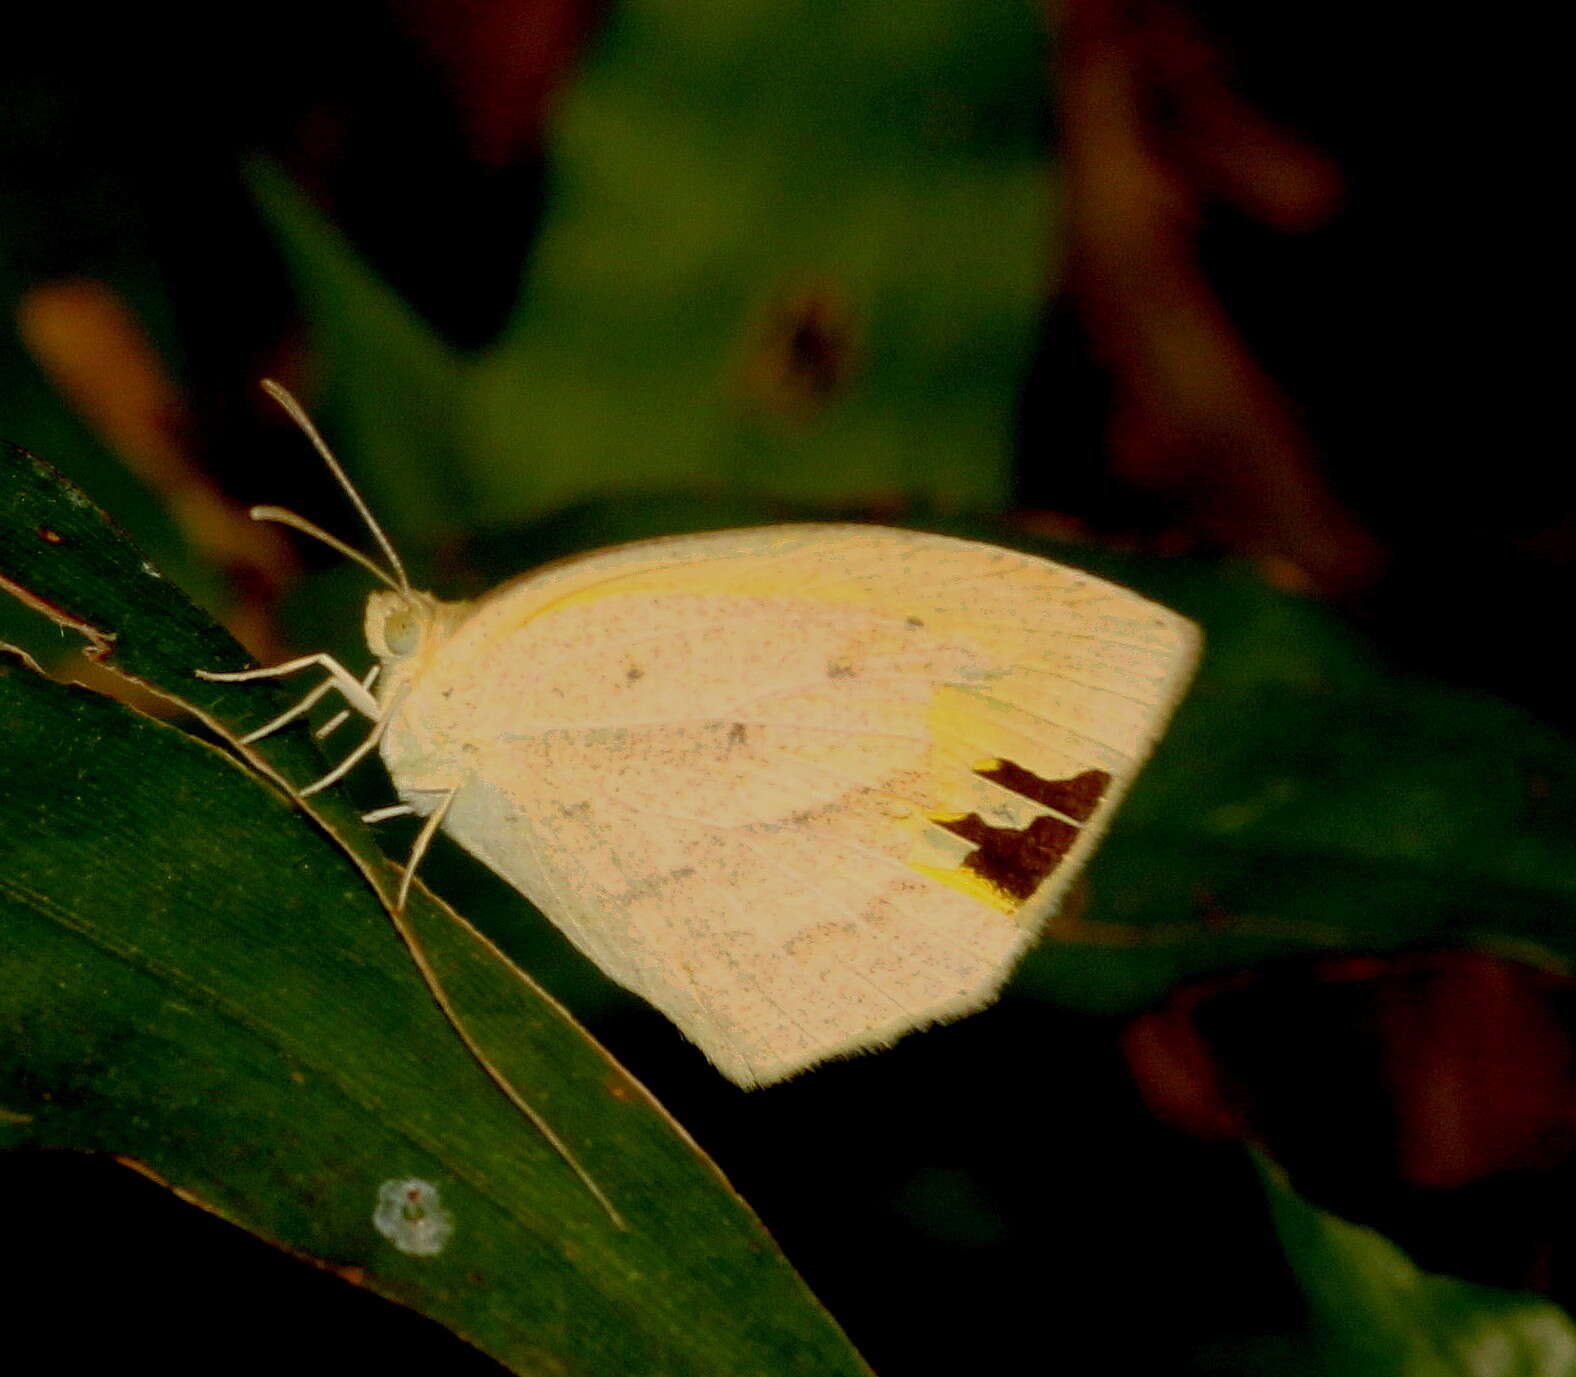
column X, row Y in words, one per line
column 1010, row 860
column 1076, row 798
column 1016, row 861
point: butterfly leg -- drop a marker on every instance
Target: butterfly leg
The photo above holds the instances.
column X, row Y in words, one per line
column 288, row 715
column 357, row 694
column 339, row 719
column 429, row 830
column 349, row 763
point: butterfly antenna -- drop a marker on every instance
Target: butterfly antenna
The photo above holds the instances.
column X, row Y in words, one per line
column 300, row 523
column 399, row 582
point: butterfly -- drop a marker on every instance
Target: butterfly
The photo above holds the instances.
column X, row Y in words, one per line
column 804, row 788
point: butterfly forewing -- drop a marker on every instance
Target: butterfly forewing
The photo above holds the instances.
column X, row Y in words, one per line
column 804, row 788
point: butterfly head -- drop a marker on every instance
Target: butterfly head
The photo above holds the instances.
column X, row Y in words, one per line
column 399, row 625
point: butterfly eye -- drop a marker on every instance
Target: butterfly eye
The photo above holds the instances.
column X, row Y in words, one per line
column 401, row 631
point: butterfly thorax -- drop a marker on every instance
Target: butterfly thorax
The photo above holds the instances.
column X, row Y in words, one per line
column 408, row 631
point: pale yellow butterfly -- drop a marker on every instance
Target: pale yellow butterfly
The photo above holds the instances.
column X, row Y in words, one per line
column 805, row 788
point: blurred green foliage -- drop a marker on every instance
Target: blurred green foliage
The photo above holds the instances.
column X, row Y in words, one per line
column 789, row 251
column 1375, row 1314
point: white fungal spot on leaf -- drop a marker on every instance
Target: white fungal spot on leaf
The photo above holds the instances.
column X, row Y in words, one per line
column 411, row 1217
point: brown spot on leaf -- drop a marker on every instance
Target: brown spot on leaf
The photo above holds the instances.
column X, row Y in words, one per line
column 839, row 669
column 50, row 537
column 1013, row 860
column 806, row 351
column 634, row 673
column 738, row 734
column 1076, row 798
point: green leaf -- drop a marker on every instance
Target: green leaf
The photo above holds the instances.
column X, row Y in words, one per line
column 794, row 250
column 199, row 977
column 1378, row 1315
